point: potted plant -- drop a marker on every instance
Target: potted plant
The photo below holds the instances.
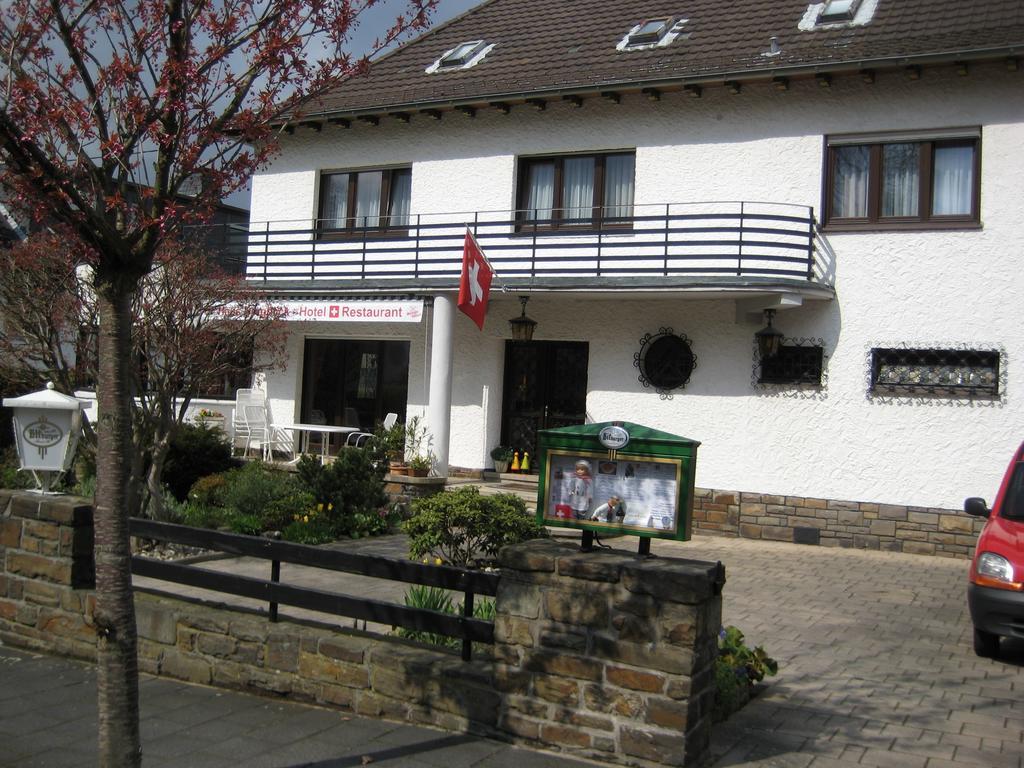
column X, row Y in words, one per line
column 389, row 443
column 420, row 459
column 210, row 419
column 501, row 455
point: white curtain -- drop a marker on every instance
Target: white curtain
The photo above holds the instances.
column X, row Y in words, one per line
column 368, row 185
column 578, row 188
column 334, row 206
column 850, row 185
column 618, row 186
column 401, row 196
column 900, row 179
column 953, row 185
column 540, row 184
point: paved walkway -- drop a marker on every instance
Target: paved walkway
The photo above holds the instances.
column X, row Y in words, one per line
column 876, row 670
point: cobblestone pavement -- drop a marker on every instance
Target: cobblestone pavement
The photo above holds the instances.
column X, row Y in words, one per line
column 876, row 663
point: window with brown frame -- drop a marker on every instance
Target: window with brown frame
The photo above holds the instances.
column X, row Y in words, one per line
column 576, row 190
column 902, row 182
column 364, row 200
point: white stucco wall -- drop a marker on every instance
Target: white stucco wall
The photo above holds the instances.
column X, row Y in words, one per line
column 915, row 288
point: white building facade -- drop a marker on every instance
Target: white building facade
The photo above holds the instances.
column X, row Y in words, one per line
column 743, row 196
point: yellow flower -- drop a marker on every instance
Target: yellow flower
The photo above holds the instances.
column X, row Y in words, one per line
column 305, row 518
column 438, row 561
column 329, row 506
column 319, row 507
column 295, row 518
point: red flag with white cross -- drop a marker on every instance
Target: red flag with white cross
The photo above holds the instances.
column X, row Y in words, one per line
column 475, row 285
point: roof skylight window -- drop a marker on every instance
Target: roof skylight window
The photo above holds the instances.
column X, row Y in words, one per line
column 650, row 31
column 461, row 54
column 838, row 10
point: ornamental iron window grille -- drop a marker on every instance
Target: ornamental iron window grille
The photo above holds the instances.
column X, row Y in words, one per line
column 665, row 361
column 951, row 372
column 794, row 364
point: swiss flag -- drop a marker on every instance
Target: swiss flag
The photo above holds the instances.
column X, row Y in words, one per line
column 475, row 285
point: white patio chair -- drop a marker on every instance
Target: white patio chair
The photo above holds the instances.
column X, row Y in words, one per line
column 239, row 426
column 359, row 439
column 257, row 430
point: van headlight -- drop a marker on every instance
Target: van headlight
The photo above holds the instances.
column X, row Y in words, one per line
column 996, row 571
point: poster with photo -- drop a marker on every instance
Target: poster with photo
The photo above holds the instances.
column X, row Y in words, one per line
column 624, row 493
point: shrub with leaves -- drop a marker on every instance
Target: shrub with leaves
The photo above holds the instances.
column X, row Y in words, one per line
column 196, row 450
column 440, row 600
column 253, row 488
column 737, row 668
column 351, row 491
column 10, row 476
column 464, row 528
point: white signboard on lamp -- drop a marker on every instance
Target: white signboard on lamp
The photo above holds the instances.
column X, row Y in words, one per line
column 403, row 311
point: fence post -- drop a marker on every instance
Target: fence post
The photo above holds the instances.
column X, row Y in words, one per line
column 810, row 243
column 467, row 613
column 739, row 256
column 275, row 576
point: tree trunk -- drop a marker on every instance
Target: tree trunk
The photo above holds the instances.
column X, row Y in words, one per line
column 155, row 501
column 117, row 671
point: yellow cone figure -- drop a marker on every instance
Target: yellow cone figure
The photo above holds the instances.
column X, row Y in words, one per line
column 525, row 466
column 515, row 462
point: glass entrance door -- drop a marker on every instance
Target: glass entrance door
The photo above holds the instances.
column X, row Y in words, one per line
column 353, row 383
column 545, row 387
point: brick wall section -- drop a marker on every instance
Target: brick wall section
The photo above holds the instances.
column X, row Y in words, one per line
column 600, row 655
column 832, row 523
column 46, row 552
column 605, row 655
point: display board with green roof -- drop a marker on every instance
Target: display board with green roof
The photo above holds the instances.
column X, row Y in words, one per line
column 617, row 477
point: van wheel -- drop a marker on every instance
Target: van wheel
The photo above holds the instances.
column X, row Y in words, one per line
column 986, row 644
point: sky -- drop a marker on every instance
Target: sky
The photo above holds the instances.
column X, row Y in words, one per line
column 384, row 13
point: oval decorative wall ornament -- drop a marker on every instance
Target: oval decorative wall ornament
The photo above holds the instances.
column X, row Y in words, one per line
column 614, row 438
column 665, row 360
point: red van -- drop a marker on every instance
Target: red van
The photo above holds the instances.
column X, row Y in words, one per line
column 995, row 594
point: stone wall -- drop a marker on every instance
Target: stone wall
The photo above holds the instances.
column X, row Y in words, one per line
column 833, row 523
column 600, row 655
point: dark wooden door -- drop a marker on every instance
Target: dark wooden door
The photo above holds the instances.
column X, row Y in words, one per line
column 545, row 387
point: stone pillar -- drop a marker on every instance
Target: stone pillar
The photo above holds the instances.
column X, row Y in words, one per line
column 46, row 550
column 606, row 655
column 439, row 405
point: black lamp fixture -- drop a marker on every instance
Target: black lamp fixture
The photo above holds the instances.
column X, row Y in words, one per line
column 769, row 339
column 522, row 327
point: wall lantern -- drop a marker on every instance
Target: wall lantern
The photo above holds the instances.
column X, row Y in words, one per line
column 522, row 327
column 47, row 426
column 769, row 339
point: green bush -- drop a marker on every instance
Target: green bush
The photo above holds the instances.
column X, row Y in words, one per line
column 440, row 600
column 208, row 491
column 253, row 488
column 10, row 476
column 462, row 527
column 737, row 668
column 205, row 516
column 349, row 492
column 196, row 450
column 284, row 511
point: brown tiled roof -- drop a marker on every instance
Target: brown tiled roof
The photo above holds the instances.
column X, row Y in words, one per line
column 560, row 46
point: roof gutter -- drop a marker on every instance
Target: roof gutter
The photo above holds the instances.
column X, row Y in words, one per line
column 795, row 70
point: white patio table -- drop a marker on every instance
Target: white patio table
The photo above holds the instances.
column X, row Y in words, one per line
column 324, row 430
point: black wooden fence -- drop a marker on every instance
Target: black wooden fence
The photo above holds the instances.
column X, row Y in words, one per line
column 470, row 583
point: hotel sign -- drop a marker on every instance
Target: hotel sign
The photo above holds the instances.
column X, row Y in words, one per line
column 404, row 311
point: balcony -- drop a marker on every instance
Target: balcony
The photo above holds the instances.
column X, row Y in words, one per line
column 703, row 245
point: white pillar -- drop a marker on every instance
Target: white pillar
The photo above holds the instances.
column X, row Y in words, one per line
column 439, row 403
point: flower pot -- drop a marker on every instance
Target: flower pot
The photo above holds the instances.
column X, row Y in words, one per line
column 414, row 472
column 398, row 468
column 501, row 467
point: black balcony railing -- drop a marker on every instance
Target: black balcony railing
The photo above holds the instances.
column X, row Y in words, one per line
column 721, row 240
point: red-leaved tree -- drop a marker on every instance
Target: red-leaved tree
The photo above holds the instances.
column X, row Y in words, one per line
column 109, row 111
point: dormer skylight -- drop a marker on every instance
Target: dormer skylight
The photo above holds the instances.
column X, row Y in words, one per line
column 838, row 10
column 836, row 14
column 652, row 33
column 462, row 56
